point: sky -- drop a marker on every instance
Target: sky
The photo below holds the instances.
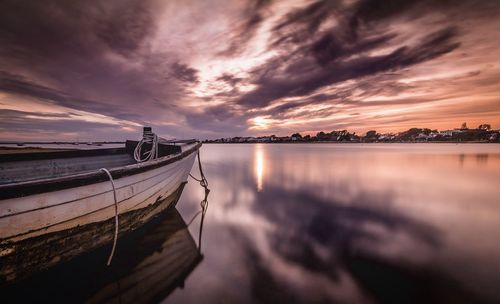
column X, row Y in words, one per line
column 100, row 70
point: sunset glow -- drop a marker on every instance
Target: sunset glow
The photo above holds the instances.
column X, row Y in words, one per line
column 260, row 123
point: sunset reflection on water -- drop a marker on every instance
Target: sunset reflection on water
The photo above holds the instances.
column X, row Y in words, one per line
column 259, row 166
column 348, row 223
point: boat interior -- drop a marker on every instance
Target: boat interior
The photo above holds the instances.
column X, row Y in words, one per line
column 43, row 164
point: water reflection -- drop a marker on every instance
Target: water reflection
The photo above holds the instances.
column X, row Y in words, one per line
column 148, row 265
column 349, row 223
column 259, row 166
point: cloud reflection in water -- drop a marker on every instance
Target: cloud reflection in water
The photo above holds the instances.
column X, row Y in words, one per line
column 349, row 223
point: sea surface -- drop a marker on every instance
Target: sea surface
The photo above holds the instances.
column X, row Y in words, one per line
column 347, row 223
column 311, row 223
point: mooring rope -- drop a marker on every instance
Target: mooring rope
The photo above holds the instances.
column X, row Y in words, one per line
column 115, row 239
column 203, row 180
column 204, row 203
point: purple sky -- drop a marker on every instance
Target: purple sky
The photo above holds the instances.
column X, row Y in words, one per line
column 93, row 70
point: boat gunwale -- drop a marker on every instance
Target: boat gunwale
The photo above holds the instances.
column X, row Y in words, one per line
column 37, row 186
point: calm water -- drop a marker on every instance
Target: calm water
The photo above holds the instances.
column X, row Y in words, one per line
column 393, row 223
column 313, row 223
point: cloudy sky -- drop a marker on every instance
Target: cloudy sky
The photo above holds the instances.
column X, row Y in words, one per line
column 96, row 70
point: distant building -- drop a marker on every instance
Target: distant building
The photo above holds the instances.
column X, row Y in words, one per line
column 446, row 133
column 422, row 136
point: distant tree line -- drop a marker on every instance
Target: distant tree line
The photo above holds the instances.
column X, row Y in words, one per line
column 483, row 133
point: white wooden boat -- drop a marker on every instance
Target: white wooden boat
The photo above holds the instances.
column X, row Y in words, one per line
column 53, row 203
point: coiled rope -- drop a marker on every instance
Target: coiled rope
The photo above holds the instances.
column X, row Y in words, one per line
column 148, row 138
column 204, row 203
column 115, row 239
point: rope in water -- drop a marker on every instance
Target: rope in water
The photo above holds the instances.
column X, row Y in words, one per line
column 115, row 238
column 203, row 180
column 204, row 203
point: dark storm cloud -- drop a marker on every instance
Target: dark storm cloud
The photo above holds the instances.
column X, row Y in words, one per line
column 184, row 72
column 253, row 16
column 124, row 27
column 305, row 22
column 33, row 31
column 298, row 25
column 88, row 56
column 230, row 79
column 373, row 10
column 254, row 13
column 18, row 85
column 339, row 53
column 304, row 77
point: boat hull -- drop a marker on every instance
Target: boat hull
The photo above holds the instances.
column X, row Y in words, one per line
column 36, row 254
